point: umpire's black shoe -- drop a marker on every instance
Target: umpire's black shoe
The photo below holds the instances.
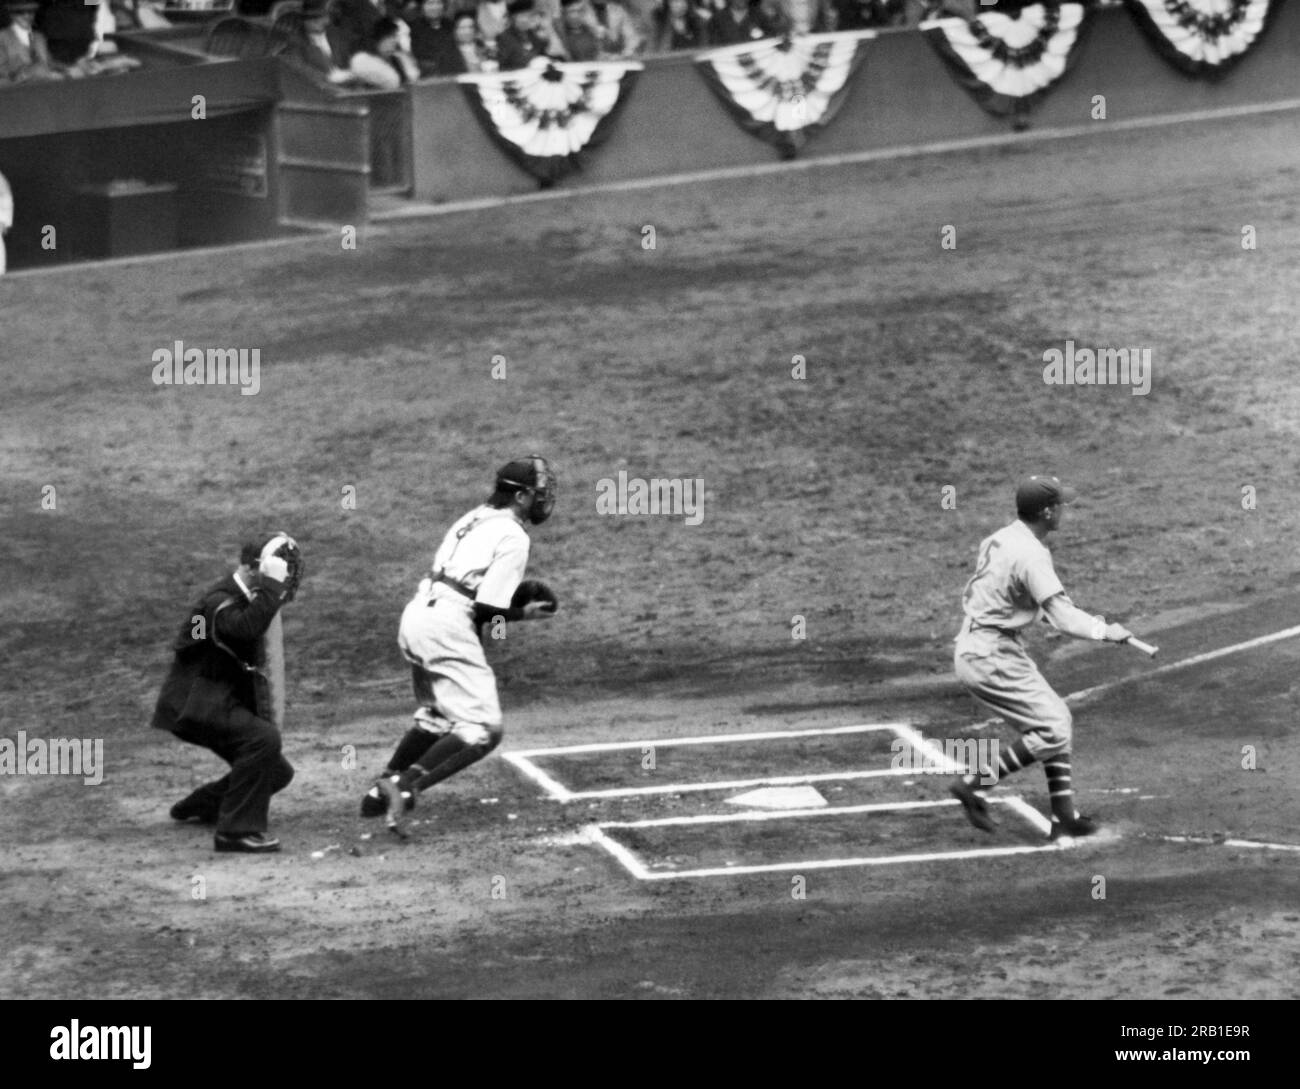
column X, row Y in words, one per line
column 977, row 809
column 182, row 812
column 251, row 843
column 1079, row 826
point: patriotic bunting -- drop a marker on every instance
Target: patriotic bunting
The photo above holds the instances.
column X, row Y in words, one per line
column 1203, row 37
column 784, row 89
column 1006, row 59
column 542, row 116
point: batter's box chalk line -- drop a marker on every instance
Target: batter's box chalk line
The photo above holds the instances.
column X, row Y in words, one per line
column 599, row 833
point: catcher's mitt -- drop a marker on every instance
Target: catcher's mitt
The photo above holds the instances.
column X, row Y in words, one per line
column 532, row 591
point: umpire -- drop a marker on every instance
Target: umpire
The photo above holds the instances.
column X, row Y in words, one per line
column 221, row 690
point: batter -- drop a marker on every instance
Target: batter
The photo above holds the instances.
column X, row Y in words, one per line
column 1015, row 582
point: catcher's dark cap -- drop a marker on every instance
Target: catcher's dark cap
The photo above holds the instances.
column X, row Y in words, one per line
column 315, row 9
column 1034, row 493
column 521, row 473
column 516, row 7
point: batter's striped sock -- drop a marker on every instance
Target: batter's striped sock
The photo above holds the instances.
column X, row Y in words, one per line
column 1011, row 758
column 1060, row 788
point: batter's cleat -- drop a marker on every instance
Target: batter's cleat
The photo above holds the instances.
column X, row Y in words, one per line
column 977, row 809
column 1079, row 826
column 182, row 812
column 250, row 843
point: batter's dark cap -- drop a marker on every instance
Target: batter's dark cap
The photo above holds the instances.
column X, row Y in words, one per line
column 1034, row 493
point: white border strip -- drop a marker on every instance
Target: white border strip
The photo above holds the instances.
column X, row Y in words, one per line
column 708, row 739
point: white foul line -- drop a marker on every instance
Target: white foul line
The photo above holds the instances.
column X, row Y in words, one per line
column 707, row 739
column 554, row 788
column 1233, row 843
column 1195, row 659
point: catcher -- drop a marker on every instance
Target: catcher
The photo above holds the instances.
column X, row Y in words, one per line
column 225, row 692
column 476, row 580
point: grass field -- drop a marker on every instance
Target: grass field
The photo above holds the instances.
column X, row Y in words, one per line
column 822, row 501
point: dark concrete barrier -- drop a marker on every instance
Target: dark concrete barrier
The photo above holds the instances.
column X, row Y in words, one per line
column 904, row 95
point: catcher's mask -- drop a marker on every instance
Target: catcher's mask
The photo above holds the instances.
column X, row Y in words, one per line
column 533, row 475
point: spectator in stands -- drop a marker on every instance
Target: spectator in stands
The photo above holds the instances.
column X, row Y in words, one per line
column 524, row 40
column 576, row 33
column 618, row 35
column 869, row 14
column 357, row 19
column 433, row 42
column 322, row 45
column 386, row 63
column 735, row 24
column 471, row 52
column 6, row 210
column 809, row 16
column 24, row 54
column 679, row 26
column 69, row 29
column 493, row 17
column 772, row 18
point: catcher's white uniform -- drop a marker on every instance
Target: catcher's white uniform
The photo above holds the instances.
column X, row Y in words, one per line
column 482, row 558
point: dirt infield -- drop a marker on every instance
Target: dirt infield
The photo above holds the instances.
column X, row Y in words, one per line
column 822, row 502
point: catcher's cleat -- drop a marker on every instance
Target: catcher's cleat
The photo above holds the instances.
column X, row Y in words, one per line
column 977, row 809
column 396, row 802
column 374, row 804
column 375, row 801
column 182, row 812
column 1080, row 826
column 252, row 843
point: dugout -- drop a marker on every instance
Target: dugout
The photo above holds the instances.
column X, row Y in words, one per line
column 181, row 152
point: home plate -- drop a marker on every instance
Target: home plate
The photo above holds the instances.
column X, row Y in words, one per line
column 791, row 797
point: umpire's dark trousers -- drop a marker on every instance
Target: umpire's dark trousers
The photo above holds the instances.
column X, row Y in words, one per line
column 240, row 800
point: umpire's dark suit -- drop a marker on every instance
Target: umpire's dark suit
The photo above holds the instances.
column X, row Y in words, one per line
column 209, row 699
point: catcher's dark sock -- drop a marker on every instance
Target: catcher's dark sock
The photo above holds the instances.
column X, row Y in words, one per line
column 413, row 746
column 1011, row 758
column 449, row 755
column 1059, row 787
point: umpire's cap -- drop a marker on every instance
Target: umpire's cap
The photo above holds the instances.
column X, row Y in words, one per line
column 1034, row 493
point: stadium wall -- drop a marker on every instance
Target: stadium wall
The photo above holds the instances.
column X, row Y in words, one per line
column 903, row 96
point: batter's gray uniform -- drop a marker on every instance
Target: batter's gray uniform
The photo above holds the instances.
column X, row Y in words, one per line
column 1013, row 580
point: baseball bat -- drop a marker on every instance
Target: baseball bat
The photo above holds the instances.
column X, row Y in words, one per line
column 1145, row 648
